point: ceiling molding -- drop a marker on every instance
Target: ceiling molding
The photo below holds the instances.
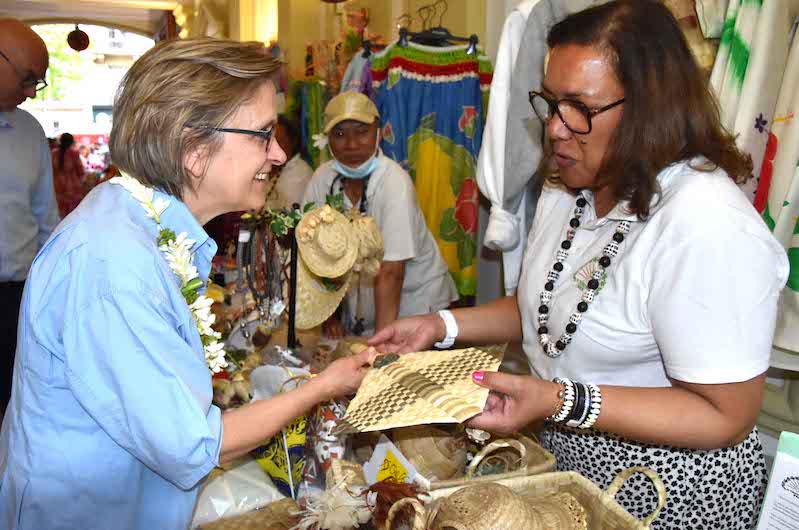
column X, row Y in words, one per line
column 144, row 17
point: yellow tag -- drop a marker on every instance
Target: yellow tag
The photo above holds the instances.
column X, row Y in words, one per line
column 392, row 470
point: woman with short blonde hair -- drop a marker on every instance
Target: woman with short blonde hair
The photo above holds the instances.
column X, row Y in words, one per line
column 110, row 423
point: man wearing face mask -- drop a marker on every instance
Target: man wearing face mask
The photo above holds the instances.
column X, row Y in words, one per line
column 413, row 277
column 28, row 208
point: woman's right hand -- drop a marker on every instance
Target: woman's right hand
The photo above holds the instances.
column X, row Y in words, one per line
column 344, row 376
column 410, row 334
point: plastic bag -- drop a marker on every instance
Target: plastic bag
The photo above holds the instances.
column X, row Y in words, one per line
column 282, row 457
column 239, row 490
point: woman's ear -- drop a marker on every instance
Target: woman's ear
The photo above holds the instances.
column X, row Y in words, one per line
column 195, row 161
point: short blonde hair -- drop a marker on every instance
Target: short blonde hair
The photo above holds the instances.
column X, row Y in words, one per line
column 176, row 84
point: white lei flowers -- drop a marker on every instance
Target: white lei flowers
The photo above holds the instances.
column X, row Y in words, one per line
column 177, row 251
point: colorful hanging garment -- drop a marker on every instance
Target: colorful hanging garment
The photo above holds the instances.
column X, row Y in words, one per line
column 764, row 74
column 748, row 73
column 432, row 102
column 732, row 59
column 778, row 196
column 306, row 101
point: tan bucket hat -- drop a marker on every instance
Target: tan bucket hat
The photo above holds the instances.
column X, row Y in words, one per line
column 493, row 506
column 315, row 300
column 349, row 106
column 327, row 242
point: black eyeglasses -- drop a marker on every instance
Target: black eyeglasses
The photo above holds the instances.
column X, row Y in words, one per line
column 575, row 115
column 266, row 135
column 27, row 82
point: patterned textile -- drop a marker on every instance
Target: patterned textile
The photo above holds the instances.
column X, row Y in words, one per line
column 305, row 105
column 421, row 388
column 719, row 489
column 747, row 73
column 432, row 102
column 778, row 195
column 710, row 14
column 732, row 59
column 766, row 54
column 276, row 460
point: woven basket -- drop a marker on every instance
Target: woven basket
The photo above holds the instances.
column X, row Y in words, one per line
column 602, row 509
column 437, row 453
column 532, row 459
column 274, row 516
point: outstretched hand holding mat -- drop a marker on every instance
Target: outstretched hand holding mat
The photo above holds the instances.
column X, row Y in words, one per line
column 421, row 388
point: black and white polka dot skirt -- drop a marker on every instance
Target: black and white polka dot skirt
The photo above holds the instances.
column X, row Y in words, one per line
column 720, row 489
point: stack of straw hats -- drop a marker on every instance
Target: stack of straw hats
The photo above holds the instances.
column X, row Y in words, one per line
column 331, row 248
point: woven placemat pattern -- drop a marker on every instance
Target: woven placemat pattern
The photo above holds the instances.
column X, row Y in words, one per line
column 422, row 388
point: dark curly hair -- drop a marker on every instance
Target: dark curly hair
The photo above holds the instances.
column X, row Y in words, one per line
column 669, row 115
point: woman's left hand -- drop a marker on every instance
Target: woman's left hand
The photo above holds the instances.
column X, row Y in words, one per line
column 514, row 401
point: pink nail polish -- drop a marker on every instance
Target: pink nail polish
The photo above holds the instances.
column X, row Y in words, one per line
column 477, row 376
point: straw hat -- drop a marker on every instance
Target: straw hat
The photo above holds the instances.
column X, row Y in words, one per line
column 326, row 242
column 492, row 506
column 489, row 506
column 436, row 453
column 315, row 301
column 349, row 106
column 370, row 244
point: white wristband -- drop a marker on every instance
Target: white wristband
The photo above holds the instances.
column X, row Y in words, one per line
column 452, row 329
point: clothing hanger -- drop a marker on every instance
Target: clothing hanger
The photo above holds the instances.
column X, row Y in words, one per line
column 435, row 36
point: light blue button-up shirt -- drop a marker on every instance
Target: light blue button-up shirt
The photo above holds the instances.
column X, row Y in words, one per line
column 28, row 209
column 110, row 424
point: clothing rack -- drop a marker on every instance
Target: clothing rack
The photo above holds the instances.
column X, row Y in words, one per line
column 437, row 37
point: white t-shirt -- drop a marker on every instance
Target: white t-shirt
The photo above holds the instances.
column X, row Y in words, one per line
column 391, row 200
column 692, row 294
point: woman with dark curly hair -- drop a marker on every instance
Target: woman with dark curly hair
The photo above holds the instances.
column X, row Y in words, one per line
column 648, row 297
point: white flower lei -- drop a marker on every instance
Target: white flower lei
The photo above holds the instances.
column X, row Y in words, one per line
column 177, row 251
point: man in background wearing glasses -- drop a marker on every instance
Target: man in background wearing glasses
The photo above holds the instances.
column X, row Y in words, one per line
column 28, row 210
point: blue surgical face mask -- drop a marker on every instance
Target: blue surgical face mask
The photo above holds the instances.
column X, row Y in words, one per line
column 362, row 171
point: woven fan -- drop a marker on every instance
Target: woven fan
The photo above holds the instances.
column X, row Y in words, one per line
column 421, row 388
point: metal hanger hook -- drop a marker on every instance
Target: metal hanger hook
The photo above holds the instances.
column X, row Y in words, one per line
column 444, row 12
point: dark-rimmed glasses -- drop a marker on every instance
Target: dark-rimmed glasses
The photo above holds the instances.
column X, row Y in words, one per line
column 575, row 115
column 266, row 135
column 27, row 82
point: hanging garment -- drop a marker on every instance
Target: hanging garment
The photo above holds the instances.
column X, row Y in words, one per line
column 768, row 56
column 523, row 133
column 729, row 71
column 313, row 98
column 778, row 196
column 503, row 231
column 431, row 101
column 710, row 14
column 353, row 76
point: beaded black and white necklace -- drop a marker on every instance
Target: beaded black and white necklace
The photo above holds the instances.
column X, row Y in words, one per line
column 611, row 250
